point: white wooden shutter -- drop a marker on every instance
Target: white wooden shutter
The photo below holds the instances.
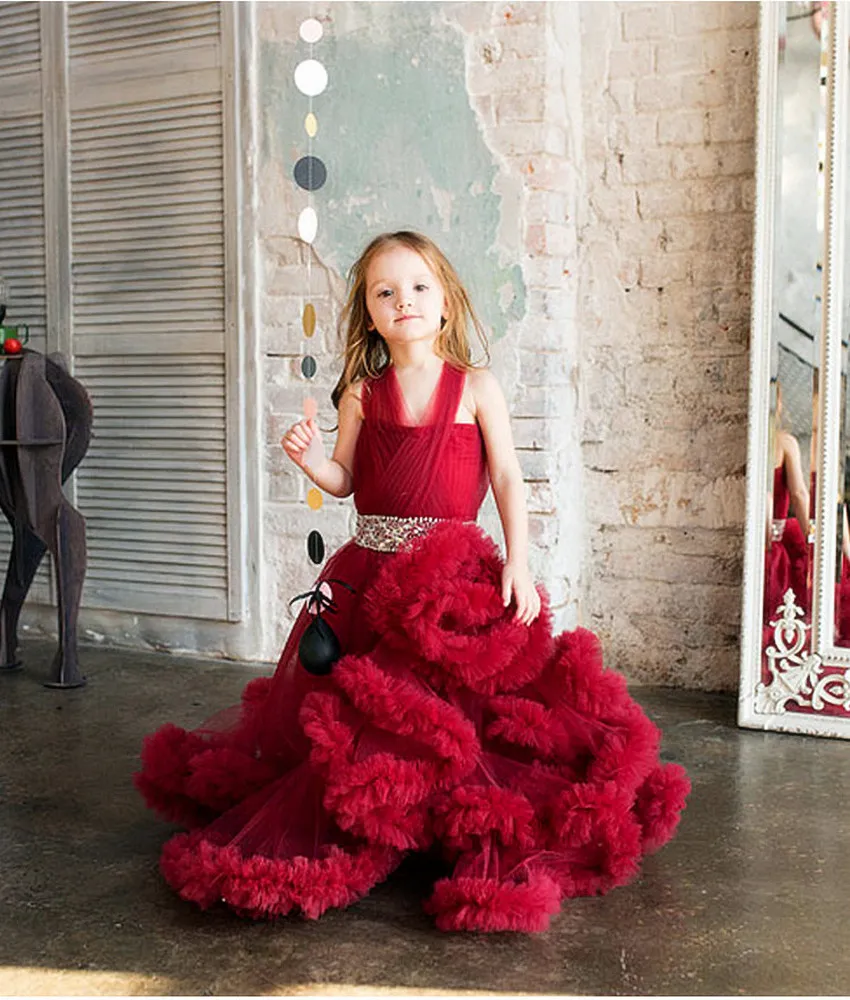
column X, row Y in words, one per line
column 148, row 278
column 22, row 168
column 22, row 246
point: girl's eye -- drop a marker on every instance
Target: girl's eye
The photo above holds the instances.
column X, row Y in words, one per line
column 421, row 288
column 384, row 293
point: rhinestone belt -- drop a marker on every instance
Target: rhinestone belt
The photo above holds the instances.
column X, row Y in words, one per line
column 384, row 533
column 777, row 530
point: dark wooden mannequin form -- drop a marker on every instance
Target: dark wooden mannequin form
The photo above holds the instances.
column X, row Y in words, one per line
column 45, row 429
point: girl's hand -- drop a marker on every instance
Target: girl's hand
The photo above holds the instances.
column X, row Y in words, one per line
column 303, row 444
column 516, row 581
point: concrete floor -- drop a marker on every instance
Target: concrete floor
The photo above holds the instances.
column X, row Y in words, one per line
column 751, row 898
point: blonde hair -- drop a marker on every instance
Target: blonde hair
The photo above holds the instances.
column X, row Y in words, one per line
column 365, row 353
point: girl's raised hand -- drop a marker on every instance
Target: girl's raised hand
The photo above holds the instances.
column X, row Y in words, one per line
column 517, row 583
column 303, row 444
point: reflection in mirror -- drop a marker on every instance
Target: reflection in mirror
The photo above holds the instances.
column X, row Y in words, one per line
column 796, row 319
column 795, row 649
column 842, row 554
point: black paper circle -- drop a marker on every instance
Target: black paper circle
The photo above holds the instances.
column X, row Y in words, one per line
column 310, row 173
column 308, row 366
column 315, row 547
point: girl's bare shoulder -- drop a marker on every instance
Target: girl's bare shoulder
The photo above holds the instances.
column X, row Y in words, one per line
column 480, row 392
column 483, row 385
column 787, row 442
column 355, row 389
column 482, row 380
column 352, row 398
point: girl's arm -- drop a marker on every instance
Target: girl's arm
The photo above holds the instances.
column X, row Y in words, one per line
column 796, row 480
column 491, row 412
column 333, row 475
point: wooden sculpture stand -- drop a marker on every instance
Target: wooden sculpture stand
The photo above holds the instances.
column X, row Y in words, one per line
column 45, row 429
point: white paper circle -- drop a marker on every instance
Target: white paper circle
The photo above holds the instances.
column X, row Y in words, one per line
column 310, row 30
column 311, row 77
column 308, row 225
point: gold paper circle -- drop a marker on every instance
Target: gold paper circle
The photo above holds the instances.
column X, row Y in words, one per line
column 308, row 320
column 314, row 499
column 311, row 125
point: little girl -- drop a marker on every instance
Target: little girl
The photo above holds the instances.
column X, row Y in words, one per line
column 407, row 318
column 453, row 717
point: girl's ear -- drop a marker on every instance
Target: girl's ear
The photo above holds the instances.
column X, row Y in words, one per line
column 446, row 311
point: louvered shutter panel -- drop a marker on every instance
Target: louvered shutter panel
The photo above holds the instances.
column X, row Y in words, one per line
column 22, row 168
column 148, row 301
column 22, row 234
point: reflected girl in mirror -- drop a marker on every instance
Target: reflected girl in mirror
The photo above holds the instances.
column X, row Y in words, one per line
column 787, row 555
column 842, row 584
column 842, row 588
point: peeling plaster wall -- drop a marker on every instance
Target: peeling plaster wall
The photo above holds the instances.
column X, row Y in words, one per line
column 401, row 141
column 588, row 168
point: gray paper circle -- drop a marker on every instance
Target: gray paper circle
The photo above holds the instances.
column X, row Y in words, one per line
column 310, row 173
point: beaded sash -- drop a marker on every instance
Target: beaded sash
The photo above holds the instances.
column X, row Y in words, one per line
column 385, row 533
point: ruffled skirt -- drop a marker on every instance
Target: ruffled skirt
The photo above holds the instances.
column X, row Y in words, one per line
column 446, row 724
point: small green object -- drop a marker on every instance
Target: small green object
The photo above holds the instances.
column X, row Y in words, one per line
column 15, row 332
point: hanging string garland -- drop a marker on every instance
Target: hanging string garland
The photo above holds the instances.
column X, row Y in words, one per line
column 310, row 173
column 318, row 648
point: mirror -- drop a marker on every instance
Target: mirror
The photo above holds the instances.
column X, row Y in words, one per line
column 797, row 313
column 795, row 648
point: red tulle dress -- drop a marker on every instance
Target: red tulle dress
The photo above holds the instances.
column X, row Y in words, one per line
column 445, row 725
column 842, row 604
column 787, row 557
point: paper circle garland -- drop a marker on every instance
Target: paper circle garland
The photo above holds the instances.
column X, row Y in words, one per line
column 308, row 224
column 310, row 173
column 311, row 77
column 311, row 30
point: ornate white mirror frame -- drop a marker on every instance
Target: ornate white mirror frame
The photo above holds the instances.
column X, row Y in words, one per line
column 795, row 666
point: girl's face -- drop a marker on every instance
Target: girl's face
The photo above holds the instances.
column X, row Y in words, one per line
column 406, row 301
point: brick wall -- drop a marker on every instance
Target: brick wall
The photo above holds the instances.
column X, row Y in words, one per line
column 668, row 100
